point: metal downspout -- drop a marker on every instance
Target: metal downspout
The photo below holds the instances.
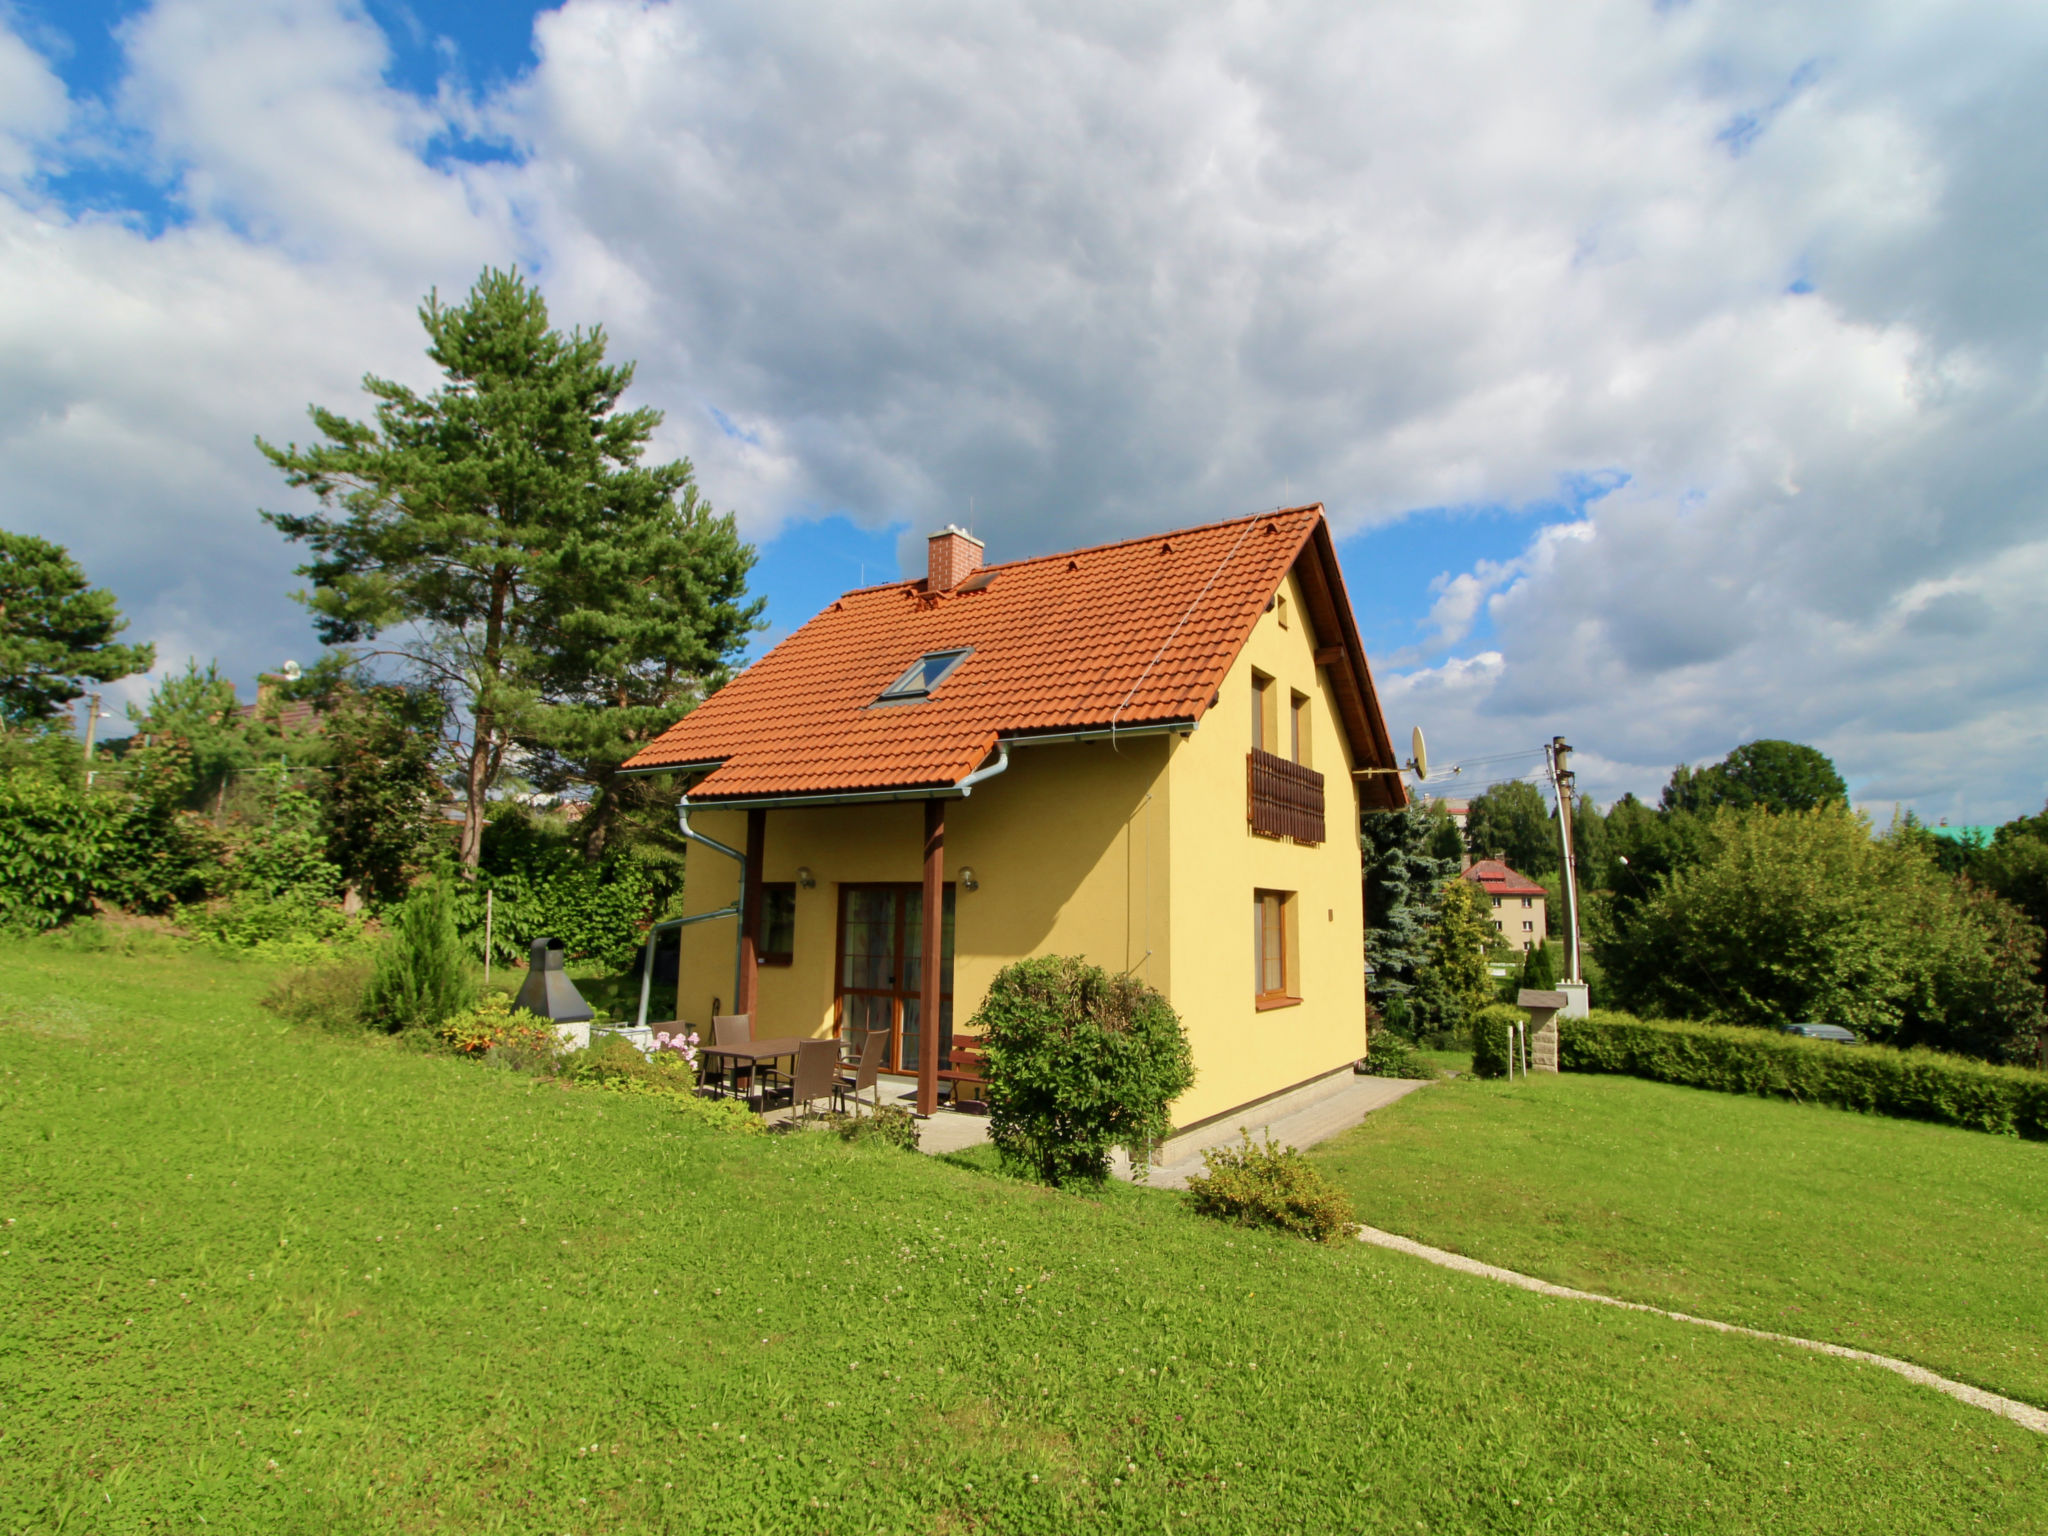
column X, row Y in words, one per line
column 1000, row 765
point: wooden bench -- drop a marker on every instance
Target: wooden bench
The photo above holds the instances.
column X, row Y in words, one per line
column 968, row 1069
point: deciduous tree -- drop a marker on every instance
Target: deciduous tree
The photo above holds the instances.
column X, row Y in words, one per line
column 1511, row 822
column 1777, row 775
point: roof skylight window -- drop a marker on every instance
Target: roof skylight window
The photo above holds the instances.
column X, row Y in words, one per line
column 923, row 678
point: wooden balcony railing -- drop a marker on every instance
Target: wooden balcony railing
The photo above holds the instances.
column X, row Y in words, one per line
column 1284, row 799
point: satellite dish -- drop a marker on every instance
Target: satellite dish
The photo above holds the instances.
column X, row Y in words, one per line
column 292, row 674
column 1420, row 761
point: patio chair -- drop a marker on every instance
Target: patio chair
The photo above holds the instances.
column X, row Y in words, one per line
column 853, row 1078
column 733, row 1029
column 817, row 1062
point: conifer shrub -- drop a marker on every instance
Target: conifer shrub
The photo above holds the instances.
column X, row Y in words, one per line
column 1263, row 1184
column 1539, row 971
column 1491, row 1038
column 1907, row 1084
column 1079, row 1062
column 421, row 976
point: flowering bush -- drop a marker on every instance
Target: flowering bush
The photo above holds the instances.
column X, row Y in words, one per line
column 684, row 1045
column 494, row 1022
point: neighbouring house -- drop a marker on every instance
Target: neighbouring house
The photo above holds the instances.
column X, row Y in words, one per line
column 1516, row 901
column 287, row 716
column 1148, row 753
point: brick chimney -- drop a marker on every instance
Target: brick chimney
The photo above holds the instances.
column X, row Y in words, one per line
column 955, row 556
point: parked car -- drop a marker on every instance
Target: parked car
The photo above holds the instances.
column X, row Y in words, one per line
column 1833, row 1032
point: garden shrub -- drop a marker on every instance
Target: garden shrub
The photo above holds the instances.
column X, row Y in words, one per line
column 891, row 1125
column 1266, row 1185
column 543, row 887
column 326, row 996
column 1079, row 1062
column 63, row 846
column 49, row 847
column 614, row 1063
column 422, row 974
column 1907, row 1084
column 1388, row 1055
column 495, row 1024
column 618, row 1067
column 1491, row 1038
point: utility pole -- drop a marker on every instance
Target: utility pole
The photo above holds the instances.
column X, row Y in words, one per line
column 1562, row 782
column 92, row 724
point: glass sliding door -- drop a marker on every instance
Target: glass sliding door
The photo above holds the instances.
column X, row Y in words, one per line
column 880, row 978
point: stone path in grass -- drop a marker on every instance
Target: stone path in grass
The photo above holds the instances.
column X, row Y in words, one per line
column 2024, row 1414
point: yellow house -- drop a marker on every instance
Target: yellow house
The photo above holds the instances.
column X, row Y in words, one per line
column 1153, row 754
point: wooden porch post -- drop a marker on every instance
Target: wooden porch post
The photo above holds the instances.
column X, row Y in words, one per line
column 930, row 1008
column 744, row 991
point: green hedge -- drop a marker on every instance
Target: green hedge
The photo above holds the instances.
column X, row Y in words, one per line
column 1911, row 1085
column 1490, row 1027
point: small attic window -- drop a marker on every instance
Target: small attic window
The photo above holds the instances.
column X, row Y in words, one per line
column 923, row 678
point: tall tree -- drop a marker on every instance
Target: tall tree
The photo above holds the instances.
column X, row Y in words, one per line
column 380, row 788
column 1511, row 822
column 1777, row 775
column 57, row 633
column 503, row 539
column 1803, row 915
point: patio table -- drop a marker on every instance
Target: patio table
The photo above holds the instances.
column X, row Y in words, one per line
column 755, row 1053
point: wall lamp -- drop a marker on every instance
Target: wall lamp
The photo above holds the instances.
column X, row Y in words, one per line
column 967, row 880
column 805, row 878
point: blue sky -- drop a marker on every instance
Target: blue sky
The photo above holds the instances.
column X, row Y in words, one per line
column 1668, row 372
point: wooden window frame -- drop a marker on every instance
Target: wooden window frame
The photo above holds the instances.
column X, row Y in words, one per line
column 1288, row 904
column 1301, row 736
column 1265, row 713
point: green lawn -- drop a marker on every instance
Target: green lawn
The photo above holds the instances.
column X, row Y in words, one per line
column 1913, row 1240
column 258, row 1279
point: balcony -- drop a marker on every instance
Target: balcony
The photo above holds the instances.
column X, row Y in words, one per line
column 1284, row 799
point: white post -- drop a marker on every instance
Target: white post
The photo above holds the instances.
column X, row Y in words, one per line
column 489, row 912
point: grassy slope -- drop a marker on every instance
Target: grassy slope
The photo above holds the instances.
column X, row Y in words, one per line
column 439, row 1297
column 1914, row 1240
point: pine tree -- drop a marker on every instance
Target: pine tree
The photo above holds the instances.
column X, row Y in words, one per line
column 56, row 632
column 562, row 596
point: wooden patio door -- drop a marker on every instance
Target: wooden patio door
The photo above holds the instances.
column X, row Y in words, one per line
column 880, row 975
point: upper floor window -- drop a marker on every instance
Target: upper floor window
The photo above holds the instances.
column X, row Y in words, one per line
column 1528, row 901
column 1265, row 713
column 923, row 678
column 1298, row 728
column 1496, row 901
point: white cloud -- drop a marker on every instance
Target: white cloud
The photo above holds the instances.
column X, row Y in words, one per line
column 1098, row 269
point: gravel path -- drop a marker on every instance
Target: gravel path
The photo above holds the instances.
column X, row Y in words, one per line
column 2023, row 1414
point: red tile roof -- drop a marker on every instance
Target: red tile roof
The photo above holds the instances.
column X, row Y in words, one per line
column 1129, row 634
column 1498, row 880
column 302, row 715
